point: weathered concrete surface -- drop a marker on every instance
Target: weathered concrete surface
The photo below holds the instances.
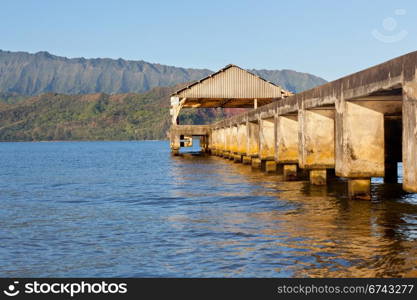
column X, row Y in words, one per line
column 287, row 139
column 242, row 138
column 409, row 152
column 360, row 152
column 256, row 163
column 247, row 160
column 227, row 139
column 178, row 131
column 316, row 138
column 233, row 139
column 290, row 172
column 359, row 188
column 253, row 143
column 266, row 139
column 270, row 166
column 237, row 158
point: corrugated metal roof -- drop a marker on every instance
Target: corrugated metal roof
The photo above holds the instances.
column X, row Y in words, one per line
column 228, row 84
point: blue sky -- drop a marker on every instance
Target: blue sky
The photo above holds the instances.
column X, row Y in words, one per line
column 326, row 38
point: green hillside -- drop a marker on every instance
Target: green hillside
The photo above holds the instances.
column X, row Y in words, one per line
column 95, row 117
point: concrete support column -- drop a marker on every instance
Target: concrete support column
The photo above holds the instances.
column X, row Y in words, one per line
column 175, row 144
column 228, row 141
column 256, row 163
column 359, row 188
column 237, row 158
column 318, row 177
column 253, row 139
column 217, row 142
column 233, row 140
column 286, row 154
column 316, row 138
column 359, row 145
column 360, row 141
column 242, row 139
column 270, row 166
column 267, row 139
column 290, row 172
column 409, row 136
column 222, row 142
column 212, row 143
column 246, row 160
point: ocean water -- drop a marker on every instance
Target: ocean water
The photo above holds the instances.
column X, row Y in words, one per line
column 130, row 209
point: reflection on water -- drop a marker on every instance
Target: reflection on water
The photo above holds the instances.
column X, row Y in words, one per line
column 296, row 229
column 131, row 209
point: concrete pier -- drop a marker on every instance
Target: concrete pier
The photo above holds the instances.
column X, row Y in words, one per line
column 358, row 127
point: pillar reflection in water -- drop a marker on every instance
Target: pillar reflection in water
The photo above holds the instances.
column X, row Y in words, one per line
column 294, row 228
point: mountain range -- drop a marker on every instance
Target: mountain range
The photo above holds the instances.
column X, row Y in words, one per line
column 23, row 73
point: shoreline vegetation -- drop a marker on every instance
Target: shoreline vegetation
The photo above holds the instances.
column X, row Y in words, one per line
column 97, row 117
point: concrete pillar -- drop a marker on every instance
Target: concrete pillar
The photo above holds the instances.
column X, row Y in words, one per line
column 270, row 166
column 318, row 177
column 213, row 143
column 220, row 141
column 246, row 160
column 360, row 141
column 233, row 140
column 359, row 188
column 216, row 141
column 175, row 144
column 256, row 163
column 267, row 139
column 290, row 172
column 316, row 138
column 287, row 140
column 228, row 141
column 253, row 139
column 360, row 148
column 237, row 158
column 409, row 137
column 242, row 139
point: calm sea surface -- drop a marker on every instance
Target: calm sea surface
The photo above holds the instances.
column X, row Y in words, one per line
column 131, row 209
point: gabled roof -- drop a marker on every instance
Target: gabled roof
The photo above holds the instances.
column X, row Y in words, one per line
column 231, row 86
